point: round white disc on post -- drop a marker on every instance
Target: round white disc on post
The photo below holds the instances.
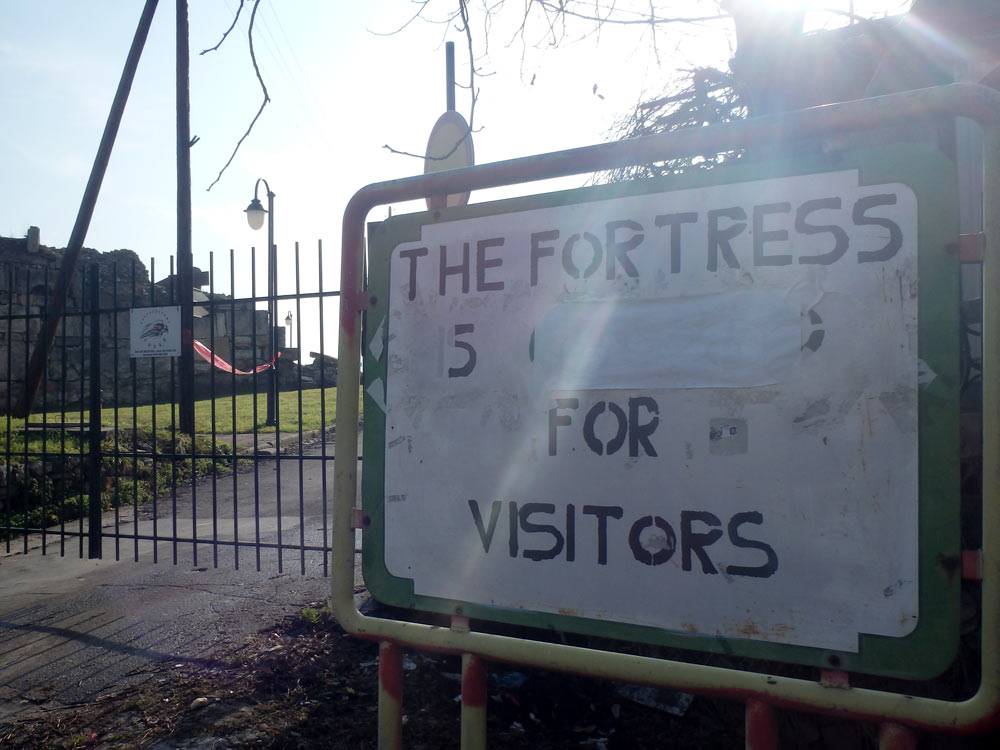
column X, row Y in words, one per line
column 449, row 147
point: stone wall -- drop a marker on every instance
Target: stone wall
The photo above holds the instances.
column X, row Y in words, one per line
column 28, row 273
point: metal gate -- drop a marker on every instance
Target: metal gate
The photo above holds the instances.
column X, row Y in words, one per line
column 102, row 467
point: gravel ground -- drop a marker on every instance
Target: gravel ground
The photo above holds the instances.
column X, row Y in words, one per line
column 305, row 683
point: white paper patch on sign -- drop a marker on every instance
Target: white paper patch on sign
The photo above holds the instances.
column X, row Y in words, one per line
column 735, row 340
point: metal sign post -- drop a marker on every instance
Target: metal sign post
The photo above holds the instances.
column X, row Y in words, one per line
column 573, row 269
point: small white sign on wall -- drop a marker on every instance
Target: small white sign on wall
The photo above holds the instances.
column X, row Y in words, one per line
column 155, row 331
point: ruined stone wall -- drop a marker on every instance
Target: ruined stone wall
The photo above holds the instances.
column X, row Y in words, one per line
column 28, row 273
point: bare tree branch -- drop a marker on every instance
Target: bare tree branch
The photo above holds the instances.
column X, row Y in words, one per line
column 256, row 70
column 652, row 28
column 464, row 10
column 619, row 17
column 423, row 4
column 231, row 27
column 699, row 97
column 463, row 15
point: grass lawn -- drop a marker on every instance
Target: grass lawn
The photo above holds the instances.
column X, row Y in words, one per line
column 44, row 473
column 310, row 409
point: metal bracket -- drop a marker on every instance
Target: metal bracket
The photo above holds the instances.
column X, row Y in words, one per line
column 834, row 678
column 972, row 564
column 971, row 247
column 357, row 518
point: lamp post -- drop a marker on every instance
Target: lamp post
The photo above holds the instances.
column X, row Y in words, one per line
column 255, row 218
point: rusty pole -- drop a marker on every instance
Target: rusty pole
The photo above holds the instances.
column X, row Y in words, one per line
column 761, row 726
column 390, row 696
column 473, row 732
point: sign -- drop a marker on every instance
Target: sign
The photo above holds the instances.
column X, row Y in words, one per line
column 155, row 331
column 690, row 413
column 449, row 147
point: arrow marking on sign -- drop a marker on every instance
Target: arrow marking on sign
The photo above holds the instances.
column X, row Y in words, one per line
column 377, row 345
column 377, row 391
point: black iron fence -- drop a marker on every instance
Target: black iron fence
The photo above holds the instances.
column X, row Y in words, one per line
column 102, row 467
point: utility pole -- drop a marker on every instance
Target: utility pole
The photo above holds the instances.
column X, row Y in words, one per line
column 185, row 280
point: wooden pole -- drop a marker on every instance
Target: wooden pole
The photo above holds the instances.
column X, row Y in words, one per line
column 50, row 324
column 185, row 280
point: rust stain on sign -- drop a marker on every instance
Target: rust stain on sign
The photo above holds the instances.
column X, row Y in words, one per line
column 749, row 629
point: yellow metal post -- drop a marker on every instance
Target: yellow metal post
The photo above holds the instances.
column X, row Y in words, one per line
column 473, row 703
column 989, row 691
column 390, row 696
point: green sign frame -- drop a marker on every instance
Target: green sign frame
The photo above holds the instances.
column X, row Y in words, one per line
column 931, row 647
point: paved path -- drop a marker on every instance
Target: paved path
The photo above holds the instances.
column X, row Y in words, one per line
column 72, row 630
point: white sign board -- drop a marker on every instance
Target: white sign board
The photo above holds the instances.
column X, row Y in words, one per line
column 155, row 331
column 693, row 410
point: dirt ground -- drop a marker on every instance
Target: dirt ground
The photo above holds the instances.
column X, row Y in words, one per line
column 304, row 683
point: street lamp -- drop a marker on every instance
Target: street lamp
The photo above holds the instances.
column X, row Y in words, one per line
column 255, row 218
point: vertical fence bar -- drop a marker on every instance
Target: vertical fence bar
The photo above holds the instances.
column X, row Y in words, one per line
column 322, row 410
column 63, row 398
column 761, row 726
column 152, row 438
column 390, row 696
column 184, row 374
column 173, row 452
column 7, row 438
column 256, row 447
column 212, row 395
column 473, row 703
column 43, row 481
column 94, row 508
column 133, row 369
column 114, row 310
column 298, row 373
column 42, row 495
column 24, row 463
column 232, row 380
column 274, row 392
column 83, row 399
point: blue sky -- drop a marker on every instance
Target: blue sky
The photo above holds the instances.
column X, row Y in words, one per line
column 339, row 92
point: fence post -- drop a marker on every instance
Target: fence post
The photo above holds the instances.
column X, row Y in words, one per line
column 390, row 696
column 893, row 736
column 761, row 726
column 473, row 703
column 94, row 500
